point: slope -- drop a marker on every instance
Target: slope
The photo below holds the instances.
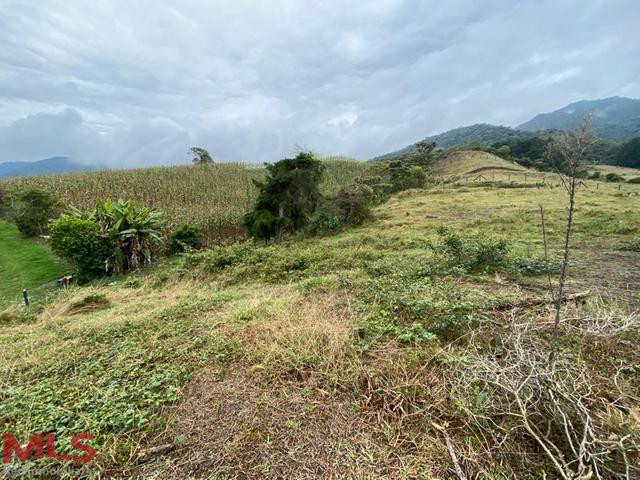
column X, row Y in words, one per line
column 461, row 162
column 25, row 263
column 615, row 118
column 344, row 356
column 470, row 136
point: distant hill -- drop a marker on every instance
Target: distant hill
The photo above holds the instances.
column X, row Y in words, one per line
column 470, row 136
column 462, row 162
column 43, row 167
column 615, row 118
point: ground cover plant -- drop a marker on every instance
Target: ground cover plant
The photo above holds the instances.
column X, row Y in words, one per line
column 373, row 352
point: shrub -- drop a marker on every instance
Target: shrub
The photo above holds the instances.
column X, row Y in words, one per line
column 613, row 177
column 79, row 241
column 324, row 222
column 595, row 175
column 471, row 254
column 634, row 180
column 34, row 209
column 534, row 266
column 288, row 197
column 405, row 176
column 130, row 229
column 187, row 237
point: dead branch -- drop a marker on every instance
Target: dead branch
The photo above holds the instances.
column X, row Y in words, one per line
column 541, row 301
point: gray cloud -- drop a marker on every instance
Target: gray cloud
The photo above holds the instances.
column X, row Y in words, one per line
column 138, row 83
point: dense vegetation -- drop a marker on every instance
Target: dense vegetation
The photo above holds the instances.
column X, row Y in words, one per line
column 213, row 196
column 615, row 118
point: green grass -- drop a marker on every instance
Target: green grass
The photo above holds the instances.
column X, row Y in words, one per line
column 352, row 319
column 25, row 263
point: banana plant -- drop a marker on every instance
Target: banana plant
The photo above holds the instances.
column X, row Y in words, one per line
column 131, row 230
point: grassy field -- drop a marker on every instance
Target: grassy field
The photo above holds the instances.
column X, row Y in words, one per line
column 212, row 196
column 351, row 356
column 626, row 173
column 25, row 264
column 463, row 162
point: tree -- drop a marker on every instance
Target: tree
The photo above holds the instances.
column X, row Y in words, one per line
column 629, row 154
column 288, row 197
column 423, row 154
column 201, row 156
column 33, row 210
column 572, row 147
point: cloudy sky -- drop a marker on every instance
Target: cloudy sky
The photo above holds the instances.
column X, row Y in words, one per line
column 124, row 82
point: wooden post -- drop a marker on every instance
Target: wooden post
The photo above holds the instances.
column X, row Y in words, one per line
column 597, row 185
column 619, row 186
column 25, row 296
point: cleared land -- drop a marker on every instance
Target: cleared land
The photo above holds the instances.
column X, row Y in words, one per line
column 463, row 162
column 26, row 264
column 317, row 358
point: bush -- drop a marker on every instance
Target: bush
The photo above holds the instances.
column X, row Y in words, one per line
column 635, row 180
column 595, row 175
column 34, row 209
column 187, row 237
column 471, row 254
column 80, row 241
column 324, row 223
column 405, row 176
column 613, row 177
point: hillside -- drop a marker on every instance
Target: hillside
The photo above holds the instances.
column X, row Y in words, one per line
column 372, row 353
column 25, row 264
column 47, row 166
column 615, row 118
column 215, row 197
column 461, row 162
column 470, row 136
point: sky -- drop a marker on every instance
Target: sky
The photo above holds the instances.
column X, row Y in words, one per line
column 136, row 83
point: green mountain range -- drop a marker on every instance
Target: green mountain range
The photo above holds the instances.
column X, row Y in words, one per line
column 616, row 119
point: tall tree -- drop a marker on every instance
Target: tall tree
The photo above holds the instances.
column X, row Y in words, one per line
column 201, row 156
column 629, row 154
column 287, row 198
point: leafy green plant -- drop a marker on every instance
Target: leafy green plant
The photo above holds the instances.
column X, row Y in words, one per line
column 131, row 231
column 288, row 197
column 80, row 241
column 614, row 177
column 33, row 209
column 187, row 237
column 471, row 254
column 534, row 266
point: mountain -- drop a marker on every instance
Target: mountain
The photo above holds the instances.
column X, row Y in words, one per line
column 615, row 118
column 43, row 167
column 470, row 136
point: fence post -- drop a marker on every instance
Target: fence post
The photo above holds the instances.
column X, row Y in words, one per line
column 619, row 186
column 25, row 296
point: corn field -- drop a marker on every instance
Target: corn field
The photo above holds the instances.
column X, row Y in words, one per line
column 215, row 197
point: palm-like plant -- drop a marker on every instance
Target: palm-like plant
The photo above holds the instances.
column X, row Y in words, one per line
column 131, row 230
